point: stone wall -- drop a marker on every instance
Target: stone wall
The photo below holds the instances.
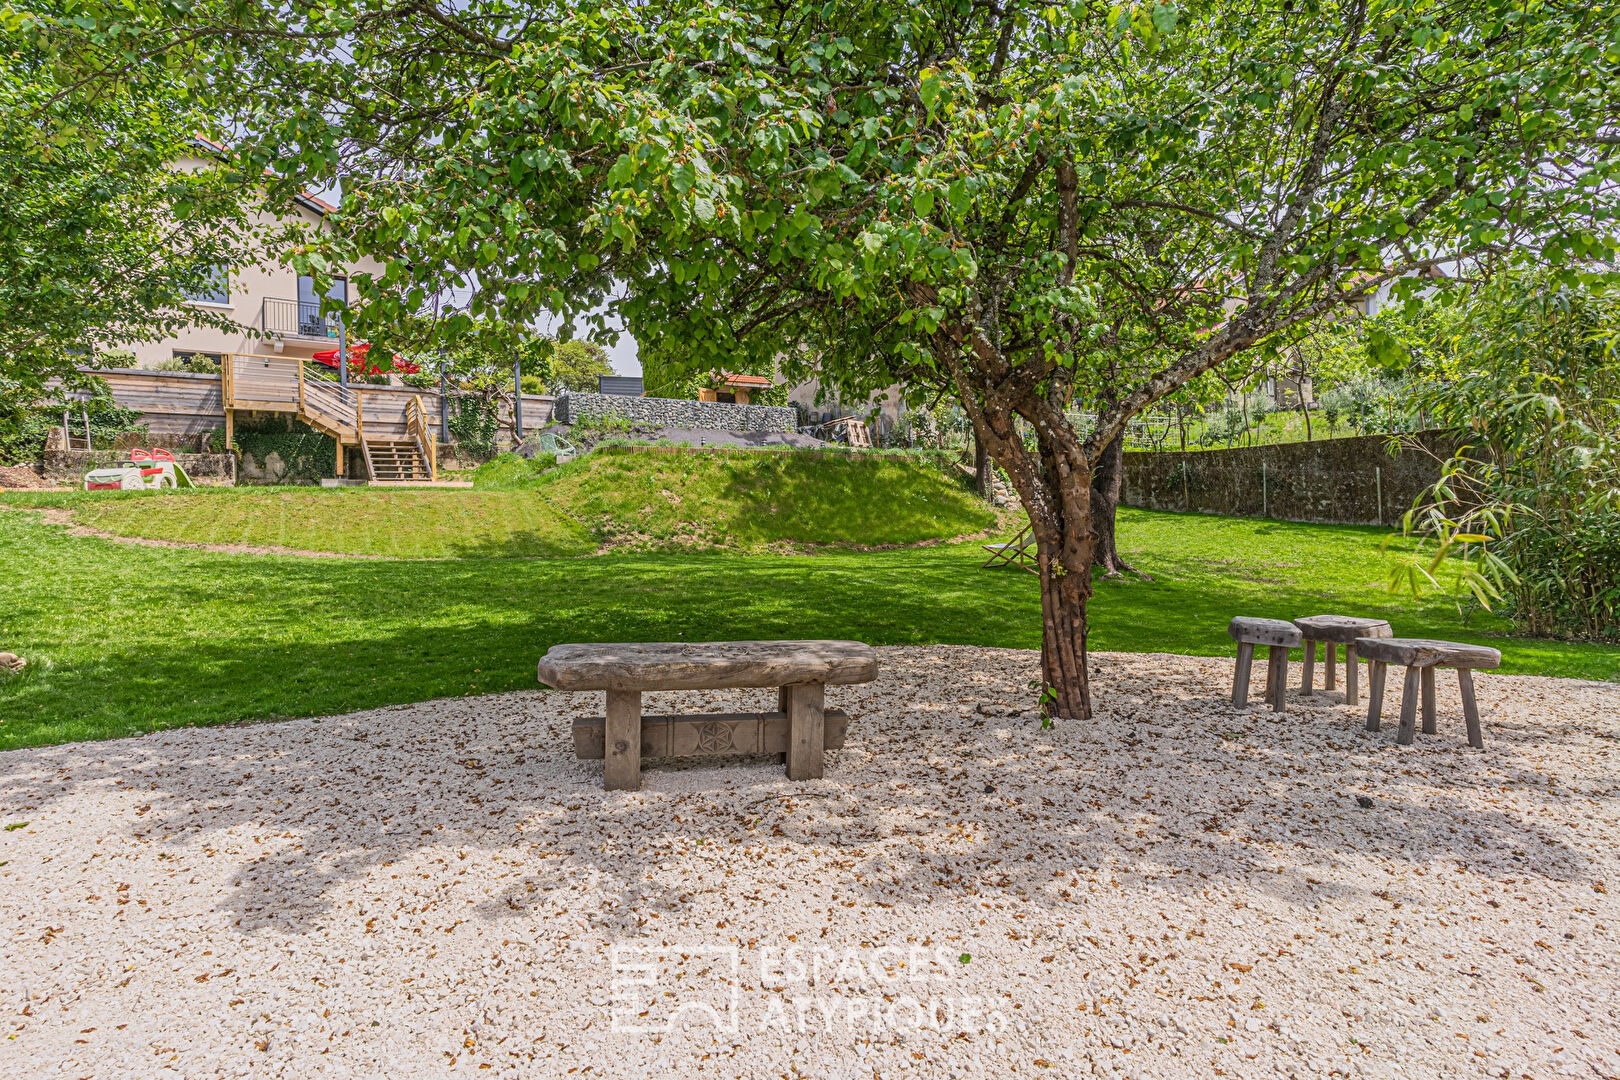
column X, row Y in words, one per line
column 1336, row 481
column 571, row 408
column 71, row 465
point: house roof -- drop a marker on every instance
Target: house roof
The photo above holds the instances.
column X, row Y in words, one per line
column 305, row 199
column 734, row 379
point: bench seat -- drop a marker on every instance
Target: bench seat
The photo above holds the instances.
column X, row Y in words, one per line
column 801, row 728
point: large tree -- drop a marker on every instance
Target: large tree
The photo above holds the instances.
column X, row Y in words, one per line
column 1044, row 210
column 102, row 238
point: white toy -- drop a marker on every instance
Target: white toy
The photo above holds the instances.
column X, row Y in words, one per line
column 144, row 471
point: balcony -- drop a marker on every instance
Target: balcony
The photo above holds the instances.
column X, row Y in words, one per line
column 296, row 319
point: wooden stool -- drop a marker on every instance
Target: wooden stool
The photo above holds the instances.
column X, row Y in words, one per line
column 1421, row 656
column 1279, row 637
column 1333, row 631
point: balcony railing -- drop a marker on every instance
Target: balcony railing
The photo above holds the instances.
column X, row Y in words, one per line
column 296, row 319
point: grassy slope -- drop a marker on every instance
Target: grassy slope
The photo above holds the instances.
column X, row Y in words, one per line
column 409, row 523
column 753, row 500
column 126, row 638
column 750, row 501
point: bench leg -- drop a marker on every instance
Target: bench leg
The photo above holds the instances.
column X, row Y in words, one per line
column 1277, row 677
column 1465, row 682
column 621, row 763
column 784, row 702
column 1240, row 677
column 1375, row 695
column 1309, row 679
column 1331, row 653
column 1430, row 727
column 1409, row 703
column 1352, row 675
column 807, row 720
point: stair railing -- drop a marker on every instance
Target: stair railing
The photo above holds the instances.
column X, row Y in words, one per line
column 417, row 426
column 323, row 399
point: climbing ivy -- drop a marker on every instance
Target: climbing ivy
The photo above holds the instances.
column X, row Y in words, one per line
column 306, row 455
column 474, row 420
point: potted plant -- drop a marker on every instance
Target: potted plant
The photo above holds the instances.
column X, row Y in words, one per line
column 709, row 390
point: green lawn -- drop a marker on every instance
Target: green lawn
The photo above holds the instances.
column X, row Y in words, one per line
column 125, row 639
column 751, row 501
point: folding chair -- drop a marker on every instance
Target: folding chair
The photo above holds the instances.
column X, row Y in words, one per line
column 1020, row 552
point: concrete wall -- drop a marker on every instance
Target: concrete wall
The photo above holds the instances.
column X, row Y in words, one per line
column 1343, row 481
column 70, row 465
column 571, row 408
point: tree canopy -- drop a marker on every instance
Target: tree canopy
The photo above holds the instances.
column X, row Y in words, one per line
column 102, row 240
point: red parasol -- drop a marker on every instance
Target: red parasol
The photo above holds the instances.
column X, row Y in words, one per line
column 359, row 365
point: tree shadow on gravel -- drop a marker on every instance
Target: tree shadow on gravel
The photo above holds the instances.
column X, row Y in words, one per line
column 934, row 795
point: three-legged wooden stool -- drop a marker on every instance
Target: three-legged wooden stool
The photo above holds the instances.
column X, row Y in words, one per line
column 1333, row 631
column 1421, row 656
column 1279, row 637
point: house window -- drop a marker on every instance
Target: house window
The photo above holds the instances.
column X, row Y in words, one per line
column 216, row 289
column 311, row 323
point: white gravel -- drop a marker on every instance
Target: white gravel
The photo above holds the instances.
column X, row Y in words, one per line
column 1174, row 890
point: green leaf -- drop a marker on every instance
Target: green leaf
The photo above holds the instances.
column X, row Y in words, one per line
column 929, row 89
column 923, row 201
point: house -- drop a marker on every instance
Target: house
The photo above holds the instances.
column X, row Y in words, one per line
column 733, row 387
column 276, row 309
column 882, row 409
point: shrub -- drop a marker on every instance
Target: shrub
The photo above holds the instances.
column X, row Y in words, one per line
column 508, row 471
column 1532, row 503
column 23, row 434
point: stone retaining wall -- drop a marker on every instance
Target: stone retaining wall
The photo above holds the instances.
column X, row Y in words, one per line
column 1333, row 481
column 571, row 408
column 71, row 465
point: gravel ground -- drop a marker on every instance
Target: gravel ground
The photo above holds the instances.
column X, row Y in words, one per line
column 1178, row 889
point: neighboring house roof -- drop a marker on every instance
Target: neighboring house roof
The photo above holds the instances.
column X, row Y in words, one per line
column 304, row 198
column 734, row 379
column 620, row 385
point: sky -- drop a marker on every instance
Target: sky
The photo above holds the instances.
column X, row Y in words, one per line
column 622, row 355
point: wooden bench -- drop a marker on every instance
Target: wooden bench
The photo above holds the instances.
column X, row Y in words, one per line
column 1421, row 657
column 801, row 728
column 1279, row 637
column 1332, row 631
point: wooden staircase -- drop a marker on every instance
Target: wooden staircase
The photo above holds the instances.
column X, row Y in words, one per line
column 396, row 461
column 397, row 447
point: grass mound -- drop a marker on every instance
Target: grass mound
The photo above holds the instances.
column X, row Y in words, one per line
column 747, row 500
column 754, row 500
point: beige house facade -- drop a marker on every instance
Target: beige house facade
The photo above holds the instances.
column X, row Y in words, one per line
column 277, row 311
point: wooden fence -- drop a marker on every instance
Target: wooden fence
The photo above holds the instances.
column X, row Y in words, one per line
column 188, row 403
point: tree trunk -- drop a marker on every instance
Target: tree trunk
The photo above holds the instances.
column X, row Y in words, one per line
column 1054, row 486
column 1106, row 482
column 1065, row 678
column 982, row 466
